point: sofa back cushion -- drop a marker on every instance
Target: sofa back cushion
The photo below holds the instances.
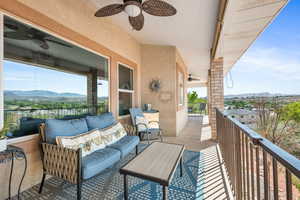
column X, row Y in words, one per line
column 89, row 142
column 28, row 126
column 56, row 127
column 113, row 133
column 100, row 121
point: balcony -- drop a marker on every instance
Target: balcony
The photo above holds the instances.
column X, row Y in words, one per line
column 67, row 37
column 241, row 165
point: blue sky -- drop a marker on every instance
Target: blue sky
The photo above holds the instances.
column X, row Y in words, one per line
column 272, row 64
column 18, row 76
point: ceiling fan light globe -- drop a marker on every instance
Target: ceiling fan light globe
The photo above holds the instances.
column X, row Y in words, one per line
column 133, row 10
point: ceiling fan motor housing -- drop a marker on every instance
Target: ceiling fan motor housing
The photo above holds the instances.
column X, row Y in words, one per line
column 139, row 1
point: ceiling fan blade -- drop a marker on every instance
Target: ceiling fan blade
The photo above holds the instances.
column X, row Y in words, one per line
column 11, row 26
column 109, row 10
column 137, row 23
column 158, row 8
column 16, row 35
column 59, row 43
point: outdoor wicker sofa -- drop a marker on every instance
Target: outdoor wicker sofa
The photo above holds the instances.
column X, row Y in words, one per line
column 69, row 164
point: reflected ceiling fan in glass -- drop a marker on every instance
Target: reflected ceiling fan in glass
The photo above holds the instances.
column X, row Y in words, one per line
column 18, row 31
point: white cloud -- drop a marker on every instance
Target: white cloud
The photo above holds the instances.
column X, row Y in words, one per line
column 280, row 64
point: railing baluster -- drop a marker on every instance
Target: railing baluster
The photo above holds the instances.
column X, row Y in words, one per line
column 289, row 192
column 244, row 166
column 257, row 174
column 239, row 183
column 247, row 168
column 266, row 175
column 252, row 171
column 275, row 179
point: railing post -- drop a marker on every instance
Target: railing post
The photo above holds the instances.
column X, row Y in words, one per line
column 239, row 184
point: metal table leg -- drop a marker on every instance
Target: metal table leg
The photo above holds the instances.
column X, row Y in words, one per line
column 165, row 192
column 10, row 175
column 181, row 170
column 25, row 169
column 125, row 187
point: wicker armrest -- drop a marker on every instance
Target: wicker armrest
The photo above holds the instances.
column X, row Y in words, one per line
column 62, row 162
column 142, row 124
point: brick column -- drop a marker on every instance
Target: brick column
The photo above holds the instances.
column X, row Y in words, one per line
column 92, row 93
column 215, row 92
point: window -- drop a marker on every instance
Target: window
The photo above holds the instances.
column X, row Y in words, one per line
column 126, row 91
column 48, row 77
column 180, row 88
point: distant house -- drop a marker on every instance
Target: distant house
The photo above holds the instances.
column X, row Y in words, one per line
column 247, row 117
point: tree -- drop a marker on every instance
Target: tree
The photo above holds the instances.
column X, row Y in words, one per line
column 278, row 122
column 192, row 97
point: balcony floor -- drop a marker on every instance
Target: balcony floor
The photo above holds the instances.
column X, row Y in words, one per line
column 196, row 136
column 204, row 176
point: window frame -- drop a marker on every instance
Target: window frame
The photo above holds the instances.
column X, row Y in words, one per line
column 2, row 59
column 180, row 89
column 132, row 92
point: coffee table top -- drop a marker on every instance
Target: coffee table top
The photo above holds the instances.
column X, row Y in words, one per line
column 157, row 162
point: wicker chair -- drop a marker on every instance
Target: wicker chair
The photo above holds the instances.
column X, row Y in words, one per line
column 134, row 112
column 61, row 162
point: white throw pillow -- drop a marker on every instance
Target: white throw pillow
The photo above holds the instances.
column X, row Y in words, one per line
column 113, row 133
column 141, row 120
column 89, row 142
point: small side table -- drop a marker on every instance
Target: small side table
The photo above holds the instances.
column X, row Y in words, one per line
column 10, row 154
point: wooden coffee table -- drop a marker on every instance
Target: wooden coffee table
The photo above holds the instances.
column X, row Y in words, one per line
column 156, row 163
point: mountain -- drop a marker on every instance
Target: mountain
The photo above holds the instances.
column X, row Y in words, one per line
column 263, row 94
column 40, row 93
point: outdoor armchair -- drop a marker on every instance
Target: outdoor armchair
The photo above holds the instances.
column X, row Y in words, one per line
column 147, row 131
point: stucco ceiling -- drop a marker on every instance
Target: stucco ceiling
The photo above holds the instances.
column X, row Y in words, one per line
column 191, row 30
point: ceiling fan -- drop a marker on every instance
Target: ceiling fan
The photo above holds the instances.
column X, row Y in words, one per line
column 22, row 32
column 135, row 8
column 191, row 78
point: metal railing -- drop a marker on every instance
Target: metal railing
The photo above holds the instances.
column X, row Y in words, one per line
column 12, row 118
column 197, row 108
column 257, row 168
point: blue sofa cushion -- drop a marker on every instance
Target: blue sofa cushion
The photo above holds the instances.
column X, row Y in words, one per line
column 100, row 121
column 126, row 144
column 98, row 161
column 55, row 127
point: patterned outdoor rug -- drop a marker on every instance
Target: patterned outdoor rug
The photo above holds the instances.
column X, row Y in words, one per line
column 109, row 184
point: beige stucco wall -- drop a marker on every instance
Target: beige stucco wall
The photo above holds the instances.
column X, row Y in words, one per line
column 182, row 110
column 159, row 62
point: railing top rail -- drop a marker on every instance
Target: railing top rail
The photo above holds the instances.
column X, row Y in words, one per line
column 286, row 159
column 39, row 109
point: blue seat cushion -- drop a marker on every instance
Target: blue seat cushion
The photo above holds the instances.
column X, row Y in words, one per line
column 98, row 161
column 126, row 144
column 56, row 127
column 100, row 121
